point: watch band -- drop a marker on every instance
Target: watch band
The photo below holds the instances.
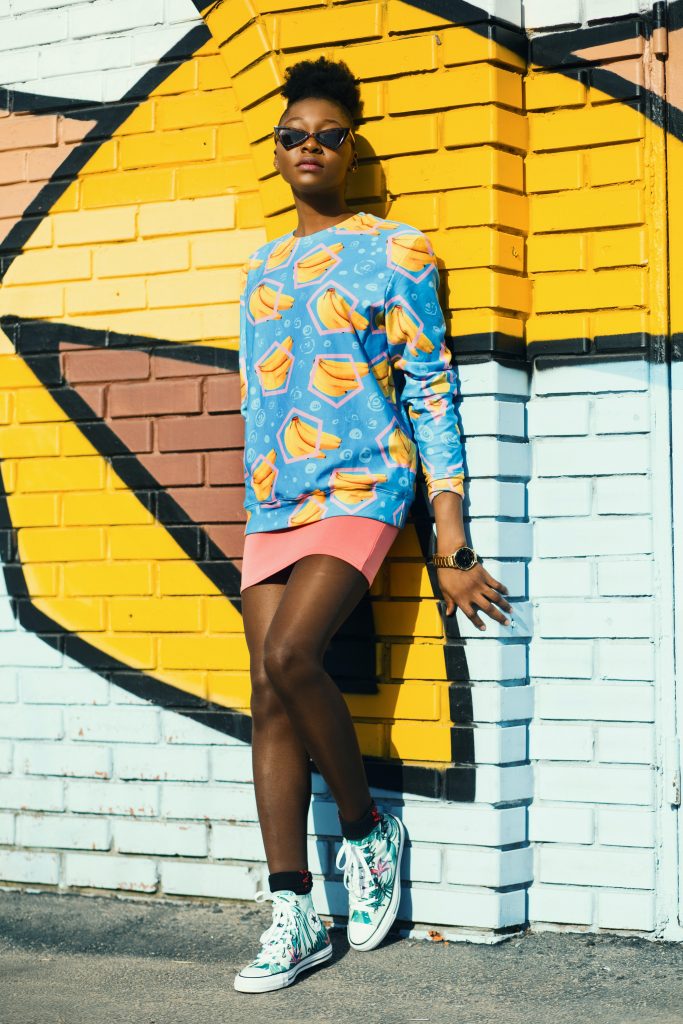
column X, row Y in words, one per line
column 449, row 561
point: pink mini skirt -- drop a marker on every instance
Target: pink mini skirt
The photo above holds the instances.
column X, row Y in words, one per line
column 362, row 542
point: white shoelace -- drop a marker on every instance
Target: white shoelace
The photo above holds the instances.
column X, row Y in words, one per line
column 357, row 875
column 284, row 921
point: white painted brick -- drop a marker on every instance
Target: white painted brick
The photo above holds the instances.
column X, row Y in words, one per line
column 9, row 691
column 6, row 829
column 33, row 29
column 491, row 378
column 486, row 456
column 625, row 826
column 244, row 842
column 160, row 763
column 93, row 55
column 98, row 19
column 594, row 702
column 620, row 495
column 471, row 824
column 596, row 10
column 202, row 801
column 551, row 658
column 490, row 868
column 5, row 757
column 32, row 794
column 520, row 624
column 592, row 456
column 556, row 417
column 553, row 496
column 38, row 868
column 63, row 831
column 22, row 649
column 615, row 535
column 549, row 823
column 161, row 837
column 102, row 871
column 499, row 785
column 7, row 621
column 618, row 869
column 621, row 414
column 495, row 498
column 24, row 6
column 597, row 618
column 560, row 577
column 31, row 723
column 585, row 378
column 225, row 881
column 322, row 818
column 232, row 764
column 113, row 798
column 560, row 904
column 147, row 48
column 632, row 910
column 489, row 659
column 560, row 742
column 499, row 746
column 179, row 11
column 625, row 577
column 593, row 784
column 483, row 416
column 176, row 728
column 625, row 659
column 63, row 759
column 17, row 65
column 492, row 702
column 463, row 907
column 84, row 86
column 63, row 686
column 114, row 725
column 421, row 863
column 626, row 744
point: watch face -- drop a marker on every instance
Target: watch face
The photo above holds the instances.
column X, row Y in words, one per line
column 464, row 558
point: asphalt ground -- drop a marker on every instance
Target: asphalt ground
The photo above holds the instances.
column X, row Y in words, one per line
column 72, row 959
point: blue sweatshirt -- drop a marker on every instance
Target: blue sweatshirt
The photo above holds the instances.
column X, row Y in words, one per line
column 345, row 376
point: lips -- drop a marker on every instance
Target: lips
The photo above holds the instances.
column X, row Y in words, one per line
column 309, row 163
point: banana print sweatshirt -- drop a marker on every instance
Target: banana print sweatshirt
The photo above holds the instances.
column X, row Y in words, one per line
column 345, row 376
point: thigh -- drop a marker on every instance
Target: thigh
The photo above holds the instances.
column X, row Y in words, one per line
column 320, row 594
column 259, row 604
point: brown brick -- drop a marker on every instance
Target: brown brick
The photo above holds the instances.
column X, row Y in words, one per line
column 223, row 393
column 172, row 470
column 94, row 396
column 229, row 539
column 225, row 468
column 12, row 167
column 164, row 366
column 135, row 434
column 24, row 131
column 99, row 364
column 211, row 504
column 154, row 398
column 200, row 433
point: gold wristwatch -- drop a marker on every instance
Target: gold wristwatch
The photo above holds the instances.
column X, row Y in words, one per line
column 464, row 558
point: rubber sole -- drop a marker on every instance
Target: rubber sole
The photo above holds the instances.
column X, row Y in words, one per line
column 392, row 910
column 273, row 982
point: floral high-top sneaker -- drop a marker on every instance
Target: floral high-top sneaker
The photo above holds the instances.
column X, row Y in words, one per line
column 372, row 869
column 296, row 940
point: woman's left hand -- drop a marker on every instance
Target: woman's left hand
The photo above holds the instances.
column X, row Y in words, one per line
column 473, row 590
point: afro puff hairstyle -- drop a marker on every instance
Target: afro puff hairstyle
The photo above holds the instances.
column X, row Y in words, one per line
column 323, row 79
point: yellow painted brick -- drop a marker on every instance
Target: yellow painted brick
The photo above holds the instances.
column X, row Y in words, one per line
column 68, row 201
column 215, row 179
column 104, row 509
column 594, row 126
column 257, row 82
column 176, row 147
column 196, row 109
column 368, row 181
column 484, row 321
column 35, row 405
column 481, row 165
column 462, row 45
column 556, row 252
column 193, row 288
column 589, row 291
column 302, row 28
column 72, row 443
column 232, row 141
column 549, row 90
column 221, row 615
column 58, row 474
column 135, row 651
column 184, row 77
column 61, row 544
column 100, row 297
column 211, row 70
column 41, row 237
column 262, row 153
column 37, row 267
column 148, row 257
column 468, row 207
column 372, row 99
column 276, row 195
column 28, row 442
column 260, row 119
column 421, row 210
column 227, row 18
column 14, row 374
column 461, row 87
column 196, row 683
column 557, row 326
column 590, row 208
column 401, row 135
column 133, row 186
column 226, row 248
column 393, row 700
column 105, row 158
column 42, row 579
column 379, row 60
column 229, row 689
column 403, row 17
column 142, row 542
column 476, row 126
column 416, row 741
column 187, row 216
column 91, row 226
column 183, row 578
column 418, row 661
column 406, row 544
column 620, row 321
column 554, row 172
column 140, row 120
column 6, row 412
column 409, row 579
column 371, row 739
column 73, row 614
column 406, row 618
column 479, row 247
column 610, row 164
column 244, row 48
column 203, row 652
column 34, row 509
column 156, row 615
column 41, row 301
column 104, row 579
column 619, row 248
column 469, row 289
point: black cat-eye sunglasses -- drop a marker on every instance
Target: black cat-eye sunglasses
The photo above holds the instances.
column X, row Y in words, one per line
column 330, row 138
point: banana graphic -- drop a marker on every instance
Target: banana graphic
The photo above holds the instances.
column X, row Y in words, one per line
column 402, row 450
column 385, row 379
column 336, row 314
column 264, row 300
column 353, row 488
column 243, row 383
column 248, row 265
column 366, row 224
column 414, row 415
column 439, row 384
column 273, row 370
column 280, row 253
column 309, row 267
column 263, row 477
column 336, row 377
column 412, row 252
column 301, row 440
column 311, row 511
column 402, row 330
column 437, row 407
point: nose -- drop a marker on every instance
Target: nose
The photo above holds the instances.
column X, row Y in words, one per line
column 311, row 141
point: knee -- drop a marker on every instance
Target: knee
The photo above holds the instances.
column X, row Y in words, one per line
column 265, row 703
column 287, row 664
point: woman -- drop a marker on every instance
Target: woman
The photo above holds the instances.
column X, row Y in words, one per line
column 342, row 362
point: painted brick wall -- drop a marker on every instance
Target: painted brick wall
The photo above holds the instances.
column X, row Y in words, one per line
column 136, row 170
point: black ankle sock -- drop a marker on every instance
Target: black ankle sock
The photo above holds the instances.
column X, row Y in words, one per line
column 300, row 882
column 363, row 826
